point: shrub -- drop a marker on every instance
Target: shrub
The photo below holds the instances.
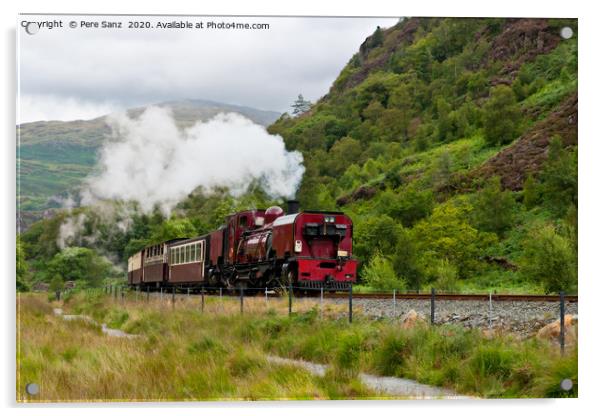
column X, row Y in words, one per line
column 494, row 208
column 347, row 358
column 501, row 116
column 549, row 259
column 559, row 178
column 390, row 357
column 492, row 360
column 379, row 274
column 445, row 275
column 531, row 192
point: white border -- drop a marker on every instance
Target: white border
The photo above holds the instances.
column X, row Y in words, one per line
column 589, row 178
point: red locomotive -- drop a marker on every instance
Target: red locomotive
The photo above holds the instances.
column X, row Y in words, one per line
column 255, row 248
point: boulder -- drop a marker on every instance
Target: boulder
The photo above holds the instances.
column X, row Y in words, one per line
column 552, row 330
column 410, row 319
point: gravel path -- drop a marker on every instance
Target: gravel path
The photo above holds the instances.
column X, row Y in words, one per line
column 387, row 386
column 523, row 318
column 108, row 331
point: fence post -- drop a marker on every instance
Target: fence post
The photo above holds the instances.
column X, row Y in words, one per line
column 221, row 301
column 321, row 302
column 562, row 323
column 394, row 303
column 490, row 310
column 161, row 294
column 187, row 292
column 122, row 290
column 290, row 298
column 350, row 302
column 432, row 306
column 202, row 298
column 242, row 296
column 266, row 296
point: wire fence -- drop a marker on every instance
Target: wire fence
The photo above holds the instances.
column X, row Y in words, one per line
column 241, row 299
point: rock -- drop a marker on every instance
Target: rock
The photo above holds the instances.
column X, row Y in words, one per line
column 552, row 330
column 410, row 319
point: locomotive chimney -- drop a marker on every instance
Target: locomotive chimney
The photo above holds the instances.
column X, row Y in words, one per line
column 292, row 206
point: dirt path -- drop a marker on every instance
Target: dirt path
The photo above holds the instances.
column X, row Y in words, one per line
column 108, row 331
column 388, row 386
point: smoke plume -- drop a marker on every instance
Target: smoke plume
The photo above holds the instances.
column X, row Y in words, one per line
column 153, row 162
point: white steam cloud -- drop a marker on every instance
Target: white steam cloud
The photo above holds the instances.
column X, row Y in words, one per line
column 153, row 162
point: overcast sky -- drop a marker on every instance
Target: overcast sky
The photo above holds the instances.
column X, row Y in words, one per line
column 68, row 74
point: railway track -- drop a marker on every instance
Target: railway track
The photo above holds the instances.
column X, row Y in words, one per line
column 389, row 295
column 450, row 296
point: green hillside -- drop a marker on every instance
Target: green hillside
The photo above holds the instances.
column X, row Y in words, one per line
column 435, row 137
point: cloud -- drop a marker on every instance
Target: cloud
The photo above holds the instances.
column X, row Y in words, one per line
column 259, row 68
column 152, row 162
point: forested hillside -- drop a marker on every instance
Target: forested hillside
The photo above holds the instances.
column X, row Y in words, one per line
column 452, row 143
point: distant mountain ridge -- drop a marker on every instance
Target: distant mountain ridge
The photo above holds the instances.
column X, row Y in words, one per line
column 54, row 156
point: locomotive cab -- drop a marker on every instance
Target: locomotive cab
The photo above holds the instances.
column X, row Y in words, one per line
column 317, row 248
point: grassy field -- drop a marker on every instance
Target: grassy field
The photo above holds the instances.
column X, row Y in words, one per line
column 182, row 353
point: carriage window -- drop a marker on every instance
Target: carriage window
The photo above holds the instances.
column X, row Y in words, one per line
column 242, row 221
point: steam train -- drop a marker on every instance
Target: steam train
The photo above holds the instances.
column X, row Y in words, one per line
column 255, row 249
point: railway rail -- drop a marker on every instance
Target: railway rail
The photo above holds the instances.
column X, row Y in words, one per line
column 456, row 296
column 302, row 293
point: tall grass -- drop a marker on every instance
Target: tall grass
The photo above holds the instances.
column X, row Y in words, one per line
column 184, row 353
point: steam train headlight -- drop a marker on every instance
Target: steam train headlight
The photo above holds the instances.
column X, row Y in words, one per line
column 348, row 276
column 298, row 246
column 329, row 219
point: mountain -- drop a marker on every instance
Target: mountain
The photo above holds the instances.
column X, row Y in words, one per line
column 54, row 156
column 452, row 143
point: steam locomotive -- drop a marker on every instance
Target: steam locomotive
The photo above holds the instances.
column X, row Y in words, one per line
column 255, row 249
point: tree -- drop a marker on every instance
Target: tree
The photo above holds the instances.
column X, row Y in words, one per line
column 549, row 259
column 446, row 234
column 494, row 207
column 501, row 116
column 376, row 232
column 22, row 268
column 531, row 192
column 407, row 206
column 559, row 178
column 442, row 171
column 344, row 153
column 377, row 38
column 56, row 284
column 79, row 263
column 173, row 228
column 300, row 105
